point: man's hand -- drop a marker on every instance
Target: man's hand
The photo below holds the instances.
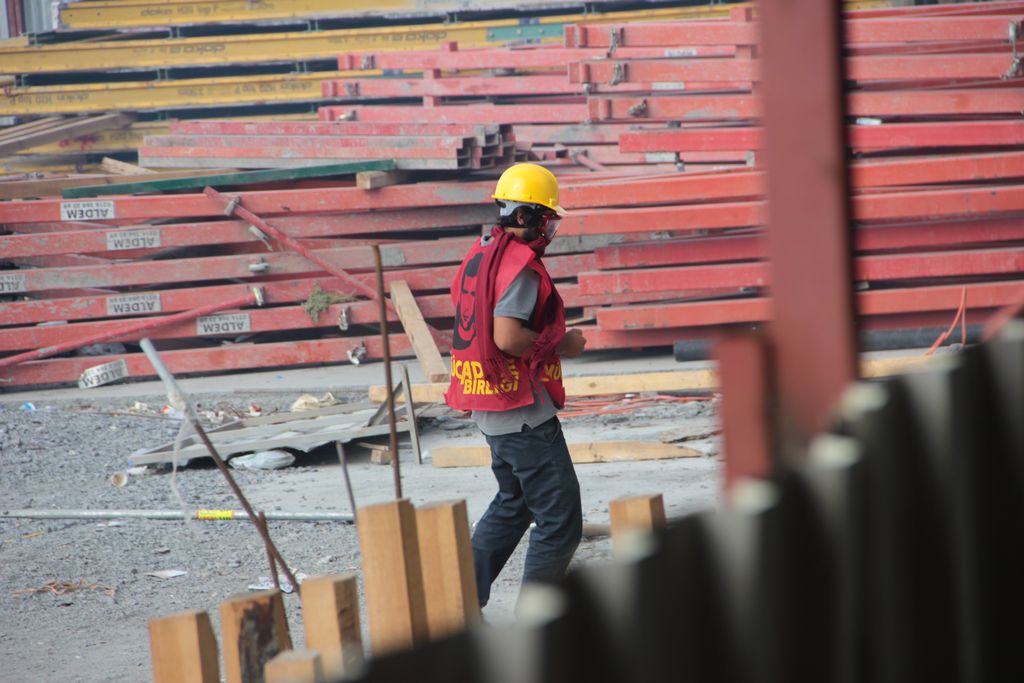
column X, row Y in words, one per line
column 572, row 344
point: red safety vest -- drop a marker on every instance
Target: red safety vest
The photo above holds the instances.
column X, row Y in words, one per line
column 468, row 389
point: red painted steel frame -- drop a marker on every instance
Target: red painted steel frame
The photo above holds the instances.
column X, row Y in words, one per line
column 814, row 338
column 462, row 113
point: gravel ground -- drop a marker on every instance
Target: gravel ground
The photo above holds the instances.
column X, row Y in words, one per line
column 76, row 595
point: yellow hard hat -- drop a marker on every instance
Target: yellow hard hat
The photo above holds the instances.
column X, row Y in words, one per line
column 529, row 183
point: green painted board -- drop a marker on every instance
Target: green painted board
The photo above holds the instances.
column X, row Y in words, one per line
column 240, row 178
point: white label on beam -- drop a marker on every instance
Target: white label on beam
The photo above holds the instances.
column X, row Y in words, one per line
column 87, row 211
column 232, row 323
column 132, row 304
column 12, row 282
column 103, row 374
column 133, row 239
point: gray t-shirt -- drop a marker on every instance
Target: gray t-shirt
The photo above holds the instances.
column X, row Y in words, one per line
column 518, row 302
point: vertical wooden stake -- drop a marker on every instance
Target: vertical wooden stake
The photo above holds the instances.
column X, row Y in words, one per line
column 253, row 631
column 295, row 666
column 446, row 555
column 640, row 513
column 330, row 615
column 183, row 649
column 392, row 577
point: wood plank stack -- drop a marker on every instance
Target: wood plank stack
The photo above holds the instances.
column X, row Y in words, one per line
column 280, row 144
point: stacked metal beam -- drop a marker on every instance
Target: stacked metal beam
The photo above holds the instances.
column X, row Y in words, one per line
column 662, row 243
column 216, row 144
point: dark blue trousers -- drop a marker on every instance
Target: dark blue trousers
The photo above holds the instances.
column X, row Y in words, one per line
column 536, row 483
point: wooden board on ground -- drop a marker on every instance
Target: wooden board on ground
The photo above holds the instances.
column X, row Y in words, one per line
column 669, row 380
column 581, row 453
column 416, row 329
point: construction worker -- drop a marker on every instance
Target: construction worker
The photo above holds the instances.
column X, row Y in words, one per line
column 508, row 338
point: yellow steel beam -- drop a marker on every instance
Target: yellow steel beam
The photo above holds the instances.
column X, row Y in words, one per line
column 132, row 13
column 171, row 94
column 130, row 138
column 85, row 15
column 290, row 47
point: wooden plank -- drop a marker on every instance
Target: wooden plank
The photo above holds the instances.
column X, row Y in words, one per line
column 434, row 368
column 449, row 579
column 581, row 453
column 371, row 180
column 238, row 178
column 637, row 513
column 669, row 380
column 123, row 167
column 295, row 666
column 14, row 140
column 254, row 630
column 330, row 617
column 392, row 576
column 596, row 385
column 410, row 415
column 183, row 648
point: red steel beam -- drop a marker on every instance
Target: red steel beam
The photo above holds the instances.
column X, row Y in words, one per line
column 746, row 106
column 342, row 128
column 862, row 31
column 134, row 330
column 461, row 113
column 533, row 57
column 892, row 267
column 344, row 143
column 862, row 138
column 311, row 201
column 452, row 86
column 749, row 247
column 884, row 302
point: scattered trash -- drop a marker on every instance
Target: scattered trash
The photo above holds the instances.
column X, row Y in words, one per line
column 263, row 460
column 161, row 551
column 254, row 410
column 140, row 408
column 137, row 471
column 28, row 407
column 119, row 479
column 310, row 402
column 265, row 583
column 54, row 587
column 327, row 559
column 172, row 412
column 167, row 573
column 112, row 522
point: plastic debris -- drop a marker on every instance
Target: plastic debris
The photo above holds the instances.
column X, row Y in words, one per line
column 263, row 460
column 28, row 407
column 310, row 402
column 167, row 573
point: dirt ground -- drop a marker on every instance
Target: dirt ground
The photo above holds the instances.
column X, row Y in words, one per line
column 76, row 594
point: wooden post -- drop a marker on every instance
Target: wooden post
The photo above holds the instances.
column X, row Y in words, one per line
column 640, row 513
column 183, row 649
column 392, row 577
column 330, row 615
column 446, row 555
column 419, row 334
column 253, row 631
column 295, row 666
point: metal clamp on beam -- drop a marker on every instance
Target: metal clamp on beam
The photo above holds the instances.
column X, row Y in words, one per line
column 229, row 208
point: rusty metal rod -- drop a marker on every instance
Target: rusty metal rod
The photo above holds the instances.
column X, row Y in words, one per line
column 343, row 459
column 177, row 400
column 270, row 553
column 233, row 206
column 381, row 298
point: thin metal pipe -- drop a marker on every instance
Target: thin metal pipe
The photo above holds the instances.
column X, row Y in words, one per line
column 178, row 400
column 348, row 482
column 270, row 553
column 381, row 299
column 202, row 515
